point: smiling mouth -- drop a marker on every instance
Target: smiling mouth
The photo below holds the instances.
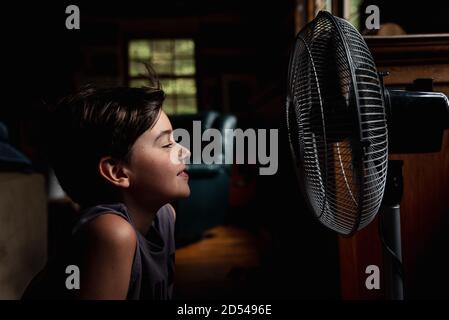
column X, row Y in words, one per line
column 183, row 173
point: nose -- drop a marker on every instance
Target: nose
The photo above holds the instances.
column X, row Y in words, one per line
column 184, row 153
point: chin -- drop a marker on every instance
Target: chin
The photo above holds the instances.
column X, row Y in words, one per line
column 180, row 194
column 185, row 193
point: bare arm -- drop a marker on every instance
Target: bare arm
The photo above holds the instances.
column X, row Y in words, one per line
column 108, row 256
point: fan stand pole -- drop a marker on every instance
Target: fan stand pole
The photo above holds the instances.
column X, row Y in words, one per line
column 390, row 232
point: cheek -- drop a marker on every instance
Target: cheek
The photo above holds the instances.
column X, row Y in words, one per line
column 163, row 163
column 154, row 169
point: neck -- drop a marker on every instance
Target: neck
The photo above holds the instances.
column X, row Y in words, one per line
column 142, row 216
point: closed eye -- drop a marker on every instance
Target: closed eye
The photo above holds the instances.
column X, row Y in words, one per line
column 168, row 145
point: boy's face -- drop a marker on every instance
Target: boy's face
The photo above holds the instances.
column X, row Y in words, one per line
column 157, row 163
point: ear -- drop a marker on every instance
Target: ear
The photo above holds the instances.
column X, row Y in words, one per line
column 113, row 171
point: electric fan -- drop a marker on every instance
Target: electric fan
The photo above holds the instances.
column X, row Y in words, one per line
column 342, row 123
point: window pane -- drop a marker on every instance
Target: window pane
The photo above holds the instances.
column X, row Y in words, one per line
column 184, row 48
column 138, row 83
column 163, row 46
column 137, row 68
column 163, row 66
column 162, row 56
column 139, row 49
column 186, row 86
column 184, row 67
column 186, row 105
column 169, row 105
column 354, row 13
column 179, row 86
column 169, row 86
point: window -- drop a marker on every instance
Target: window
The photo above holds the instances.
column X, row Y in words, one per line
column 325, row 5
column 351, row 12
column 174, row 62
column 348, row 9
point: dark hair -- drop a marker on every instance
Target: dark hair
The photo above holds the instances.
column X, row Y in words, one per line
column 94, row 123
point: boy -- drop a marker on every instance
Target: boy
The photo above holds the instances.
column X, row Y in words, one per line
column 112, row 151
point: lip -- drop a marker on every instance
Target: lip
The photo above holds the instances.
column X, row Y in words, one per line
column 183, row 173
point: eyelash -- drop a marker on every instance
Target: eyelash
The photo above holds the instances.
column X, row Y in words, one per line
column 168, row 145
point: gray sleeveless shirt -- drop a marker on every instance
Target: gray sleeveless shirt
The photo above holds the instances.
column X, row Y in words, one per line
column 152, row 273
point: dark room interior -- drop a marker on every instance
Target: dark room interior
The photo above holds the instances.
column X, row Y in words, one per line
column 240, row 234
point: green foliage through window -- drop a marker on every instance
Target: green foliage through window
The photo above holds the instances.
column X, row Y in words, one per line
column 174, row 62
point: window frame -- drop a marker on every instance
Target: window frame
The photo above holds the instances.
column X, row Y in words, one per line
column 150, row 37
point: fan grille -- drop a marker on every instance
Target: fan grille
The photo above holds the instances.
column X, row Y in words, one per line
column 337, row 125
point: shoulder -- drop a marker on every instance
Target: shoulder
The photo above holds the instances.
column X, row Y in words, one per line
column 108, row 257
column 112, row 231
